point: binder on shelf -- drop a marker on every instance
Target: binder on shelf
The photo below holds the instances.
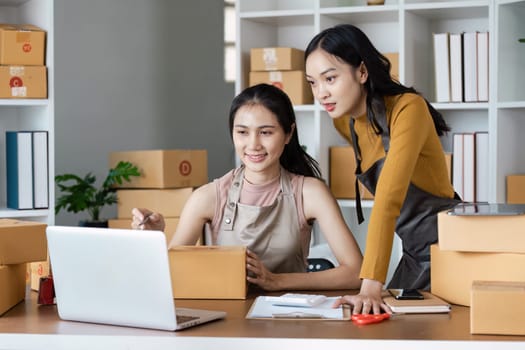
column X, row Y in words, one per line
column 40, row 170
column 469, row 167
column 482, row 166
column 456, row 67
column 19, row 169
column 470, row 66
column 442, row 66
column 483, row 65
column 457, row 164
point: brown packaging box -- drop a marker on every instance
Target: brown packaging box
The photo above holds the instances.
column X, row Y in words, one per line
column 503, row 234
column 208, row 272
column 393, row 57
column 23, row 82
column 165, row 168
column 22, row 45
column 342, row 174
column 38, row 269
column 452, row 272
column 516, row 189
column 276, row 58
column 292, row 82
column 171, row 225
column 168, row 202
column 12, row 285
column 497, row 307
column 22, row 241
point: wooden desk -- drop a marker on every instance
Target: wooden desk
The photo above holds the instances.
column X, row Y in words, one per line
column 30, row 326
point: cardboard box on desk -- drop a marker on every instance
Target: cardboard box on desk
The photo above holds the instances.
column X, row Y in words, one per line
column 292, row 82
column 169, row 202
column 276, row 58
column 23, row 82
column 171, row 225
column 516, row 189
column 22, row 45
column 497, row 307
column 22, row 241
column 342, row 174
column 38, row 270
column 165, row 168
column 12, row 285
column 492, row 233
column 452, row 272
column 208, row 272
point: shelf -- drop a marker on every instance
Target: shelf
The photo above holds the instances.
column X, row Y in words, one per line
column 23, row 102
column 13, row 213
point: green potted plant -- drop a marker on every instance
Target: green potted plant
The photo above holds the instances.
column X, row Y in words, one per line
column 80, row 194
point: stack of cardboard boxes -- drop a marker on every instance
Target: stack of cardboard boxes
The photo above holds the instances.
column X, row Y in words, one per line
column 23, row 72
column 282, row 67
column 167, row 180
column 516, row 189
column 20, row 242
column 479, row 262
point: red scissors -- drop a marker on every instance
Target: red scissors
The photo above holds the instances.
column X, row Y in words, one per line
column 362, row 319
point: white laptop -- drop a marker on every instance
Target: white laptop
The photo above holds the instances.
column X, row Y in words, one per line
column 118, row 277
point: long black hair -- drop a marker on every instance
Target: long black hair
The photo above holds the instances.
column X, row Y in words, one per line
column 294, row 158
column 350, row 44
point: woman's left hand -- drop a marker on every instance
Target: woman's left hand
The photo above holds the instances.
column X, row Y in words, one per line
column 258, row 273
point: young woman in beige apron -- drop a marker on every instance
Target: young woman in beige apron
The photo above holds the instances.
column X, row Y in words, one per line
column 270, row 202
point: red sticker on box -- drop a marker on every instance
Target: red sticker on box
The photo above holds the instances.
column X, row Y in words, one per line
column 16, row 82
column 185, row 168
column 27, row 47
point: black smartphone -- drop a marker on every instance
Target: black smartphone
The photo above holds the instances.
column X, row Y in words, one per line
column 406, row 294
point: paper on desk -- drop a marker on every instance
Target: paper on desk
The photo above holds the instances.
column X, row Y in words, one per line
column 263, row 308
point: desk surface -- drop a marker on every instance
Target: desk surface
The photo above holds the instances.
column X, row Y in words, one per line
column 29, row 325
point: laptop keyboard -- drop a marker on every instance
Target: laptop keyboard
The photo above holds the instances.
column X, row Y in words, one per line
column 182, row 319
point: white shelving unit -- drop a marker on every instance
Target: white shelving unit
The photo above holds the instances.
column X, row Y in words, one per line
column 30, row 114
column 406, row 26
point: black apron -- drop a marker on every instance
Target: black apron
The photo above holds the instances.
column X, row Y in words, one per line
column 416, row 224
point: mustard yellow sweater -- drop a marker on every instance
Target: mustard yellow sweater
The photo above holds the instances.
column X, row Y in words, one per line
column 415, row 156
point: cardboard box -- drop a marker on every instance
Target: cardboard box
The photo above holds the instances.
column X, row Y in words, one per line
column 23, row 82
column 22, row 241
column 165, row 168
column 452, row 273
column 22, row 45
column 292, row 82
column 516, row 189
column 208, row 272
column 497, row 307
column 342, row 174
column 393, row 57
column 12, row 285
column 38, row 269
column 171, row 225
column 168, row 202
column 496, row 233
column 448, row 161
column 276, row 58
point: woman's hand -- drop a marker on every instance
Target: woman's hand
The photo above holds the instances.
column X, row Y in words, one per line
column 258, row 273
column 368, row 300
column 145, row 219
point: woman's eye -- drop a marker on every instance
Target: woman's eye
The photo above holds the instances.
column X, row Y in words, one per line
column 330, row 79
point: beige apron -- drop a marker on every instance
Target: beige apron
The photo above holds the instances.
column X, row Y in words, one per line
column 272, row 232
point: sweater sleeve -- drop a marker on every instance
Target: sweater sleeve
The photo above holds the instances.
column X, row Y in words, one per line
column 410, row 126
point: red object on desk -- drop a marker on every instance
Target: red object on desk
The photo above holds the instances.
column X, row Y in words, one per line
column 46, row 291
column 362, row 319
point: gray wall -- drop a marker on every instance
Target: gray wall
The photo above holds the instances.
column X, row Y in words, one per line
column 138, row 74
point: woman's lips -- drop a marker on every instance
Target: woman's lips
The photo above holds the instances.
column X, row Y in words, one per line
column 329, row 107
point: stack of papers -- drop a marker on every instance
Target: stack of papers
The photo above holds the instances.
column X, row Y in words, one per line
column 264, row 308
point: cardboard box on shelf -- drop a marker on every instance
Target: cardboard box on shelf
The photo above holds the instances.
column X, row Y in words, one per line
column 23, row 82
column 393, row 57
column 208, row 272
column 22, row 241
column 452, row 272
column 22, row 45
column 342, row 174
column 171, row 225
column 292, row 82
column 516, row 189
column 497, row 307
column 494, row 233
column 174, row 168
column 276, row 58
column 168, row 202
column 12, row 285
